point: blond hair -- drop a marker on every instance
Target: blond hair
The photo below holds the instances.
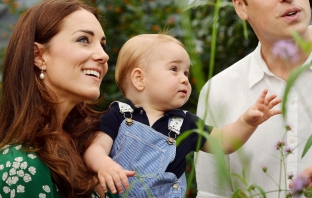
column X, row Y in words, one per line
column 136, row 53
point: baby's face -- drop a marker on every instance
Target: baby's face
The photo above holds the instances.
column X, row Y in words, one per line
column 167, row 82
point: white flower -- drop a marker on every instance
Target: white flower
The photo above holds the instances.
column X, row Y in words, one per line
column 5, row 176
column 27, row 178
column 5, row 151
column 42, row 195
column 14, row 179
column 20, row 189
column 12, row 193
column 9, row 181
column 32, row 170
column 32, row 156
column 12, row 171
column 18, row 147
column 19, row 159
column 1, row 166
column 8, row 164
column 16, row 165
column 46, row 188
column 20, row 173
column 6, row 189
column 23, row 165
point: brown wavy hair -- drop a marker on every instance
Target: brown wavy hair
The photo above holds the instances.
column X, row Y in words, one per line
column 28, row 109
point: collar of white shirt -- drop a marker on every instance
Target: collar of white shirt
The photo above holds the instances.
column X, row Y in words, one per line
column 259, row 70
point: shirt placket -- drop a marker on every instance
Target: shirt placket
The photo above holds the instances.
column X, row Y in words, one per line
column 292, row 134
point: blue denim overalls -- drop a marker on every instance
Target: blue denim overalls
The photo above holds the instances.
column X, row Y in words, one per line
column 140, row 148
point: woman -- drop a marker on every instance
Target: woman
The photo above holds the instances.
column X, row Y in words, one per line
column 55, row 62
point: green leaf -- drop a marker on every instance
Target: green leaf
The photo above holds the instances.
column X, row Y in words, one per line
column 239, row 194
column 307, row 146
column 245, row 29
column 241, row 178
column 290, row 82
column 304, row 45
column 261, row 191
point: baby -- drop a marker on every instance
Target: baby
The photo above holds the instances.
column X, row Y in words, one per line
column 138, row 137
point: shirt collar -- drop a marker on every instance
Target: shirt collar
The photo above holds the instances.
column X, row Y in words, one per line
column 174, row 112
column 256, row 72
column 258, row 68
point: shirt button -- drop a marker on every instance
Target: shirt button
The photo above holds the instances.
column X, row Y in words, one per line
column 175, row 186
column 292, row 101
column 291, row 140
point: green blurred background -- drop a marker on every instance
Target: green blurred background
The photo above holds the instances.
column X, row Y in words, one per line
column 188, row 20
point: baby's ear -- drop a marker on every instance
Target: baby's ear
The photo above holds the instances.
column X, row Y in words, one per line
column 137, row 79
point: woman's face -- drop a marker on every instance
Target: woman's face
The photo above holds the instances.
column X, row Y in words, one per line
column 75, row 60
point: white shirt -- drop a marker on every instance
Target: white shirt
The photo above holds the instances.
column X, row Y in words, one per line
column 231, row 92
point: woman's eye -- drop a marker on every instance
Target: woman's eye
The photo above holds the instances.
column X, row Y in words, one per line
column 104, row 46
column 83, row 40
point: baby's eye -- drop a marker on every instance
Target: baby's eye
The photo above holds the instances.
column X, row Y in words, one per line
column 187, row 74
column 83, row 39
column 173, row 68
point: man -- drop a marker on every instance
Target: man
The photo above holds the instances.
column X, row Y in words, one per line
column 234, row 89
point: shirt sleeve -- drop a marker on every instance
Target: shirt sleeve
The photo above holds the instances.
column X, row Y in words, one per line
column 23, row 174
column 195, row 137
column 111, row 120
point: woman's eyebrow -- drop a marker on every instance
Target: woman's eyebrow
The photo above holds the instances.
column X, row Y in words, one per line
column 85, row 31
column 91, row 33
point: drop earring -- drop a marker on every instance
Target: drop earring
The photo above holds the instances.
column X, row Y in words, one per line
column 41, row 76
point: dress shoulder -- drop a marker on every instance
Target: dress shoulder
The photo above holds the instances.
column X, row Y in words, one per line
column 23, row 174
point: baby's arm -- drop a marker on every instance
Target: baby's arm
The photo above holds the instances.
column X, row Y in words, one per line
column 234, row 135
column 109, row 172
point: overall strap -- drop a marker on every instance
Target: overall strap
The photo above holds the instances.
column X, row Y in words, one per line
column 125, row 108
column 174, row 125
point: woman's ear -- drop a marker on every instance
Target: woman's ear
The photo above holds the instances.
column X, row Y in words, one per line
column 240, row 8
column 38, row 58
column 137, row 79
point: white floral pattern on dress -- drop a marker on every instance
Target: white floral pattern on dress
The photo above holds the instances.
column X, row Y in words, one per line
column 20, row 189
column 22, row 174
column 32, row 170
column 31, row 156
column 46, row 188
column 16, row 170
column 42, row 195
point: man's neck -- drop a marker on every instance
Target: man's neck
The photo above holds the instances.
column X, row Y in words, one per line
column 283, row 67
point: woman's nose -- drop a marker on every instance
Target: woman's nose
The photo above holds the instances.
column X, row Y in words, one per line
column 100, row 55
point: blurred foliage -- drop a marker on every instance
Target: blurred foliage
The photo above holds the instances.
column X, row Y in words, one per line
column 123, row 19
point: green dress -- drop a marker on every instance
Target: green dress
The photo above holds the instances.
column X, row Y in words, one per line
column 23, row 174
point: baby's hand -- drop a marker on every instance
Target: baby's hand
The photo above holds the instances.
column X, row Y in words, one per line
column 262, row 109
column 114, row 176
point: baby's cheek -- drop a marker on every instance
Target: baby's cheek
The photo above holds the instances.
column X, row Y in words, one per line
column 189, row 91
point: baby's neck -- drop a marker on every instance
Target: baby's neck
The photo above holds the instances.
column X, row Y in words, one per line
column 153, row 114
